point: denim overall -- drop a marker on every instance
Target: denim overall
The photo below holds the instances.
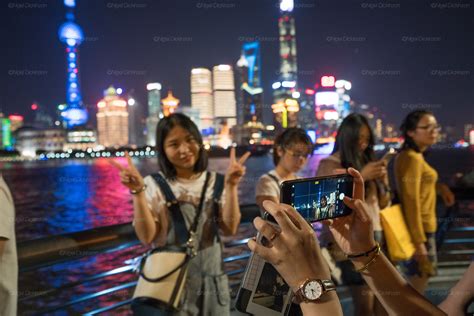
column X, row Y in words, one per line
column 207, row 287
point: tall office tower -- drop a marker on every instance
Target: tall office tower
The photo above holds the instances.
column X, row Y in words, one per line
column 287, row 79
column 75, row 113
column 285, row 107
column 201, row 97
column 250, row 94
column 225, row 110
column 190, row 112
column 112, row 119
column 170, row 104
column 134, row 135
column 154, row 111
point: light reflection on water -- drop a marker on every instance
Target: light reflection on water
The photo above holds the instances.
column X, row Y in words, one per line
column 62, row 196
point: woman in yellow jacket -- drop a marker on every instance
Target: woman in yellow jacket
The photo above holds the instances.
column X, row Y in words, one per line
column 417, row 187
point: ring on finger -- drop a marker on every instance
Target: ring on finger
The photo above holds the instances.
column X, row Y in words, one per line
column 274, row 235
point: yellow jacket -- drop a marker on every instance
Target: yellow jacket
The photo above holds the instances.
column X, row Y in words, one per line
column 416, row 182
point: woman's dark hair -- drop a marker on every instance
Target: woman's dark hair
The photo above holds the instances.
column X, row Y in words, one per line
column 289, row 137
column 347, row 141
column 409, row 124
column 165, row 125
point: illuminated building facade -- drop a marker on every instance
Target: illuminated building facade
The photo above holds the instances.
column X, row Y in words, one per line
column 29, row 140
column 170, row 104
column 112, row 120
column 202, row 98
column 225, row 109
column 80, row 139
column 6, row 141
column 250, row 94
column 343, row 107
column 286, row 113
column 326, row 108
column 307, row 115
column 75, row 114
column 16, row 121
column 154, row 111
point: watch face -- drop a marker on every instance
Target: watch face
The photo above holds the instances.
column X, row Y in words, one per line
column 313, row 290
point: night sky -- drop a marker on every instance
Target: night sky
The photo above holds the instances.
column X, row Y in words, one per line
column 399, row 55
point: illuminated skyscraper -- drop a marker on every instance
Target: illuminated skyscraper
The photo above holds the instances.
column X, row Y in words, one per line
column 112, row 119
column 287, row 80
column 286, row 26
column 225, row 110
column 250, row 94
column 201, row 96
column 154, row 111
column 170, row 104
column 5, row 133
column 134, row 135
column 75, row 114
column 285, row 106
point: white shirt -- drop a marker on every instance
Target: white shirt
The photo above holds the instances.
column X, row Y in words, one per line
column 267, row 186
column 185, row 191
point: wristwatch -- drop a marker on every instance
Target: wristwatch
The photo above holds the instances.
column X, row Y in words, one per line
column 312, row 289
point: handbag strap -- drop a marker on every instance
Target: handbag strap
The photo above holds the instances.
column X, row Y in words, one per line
column 193, row 228
column 274, row 178
column 216, row 196
column 164, row 276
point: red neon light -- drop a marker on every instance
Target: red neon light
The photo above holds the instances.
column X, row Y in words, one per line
column 14, row 117
column 34, row 106
column 309, row 91
column 328, row 81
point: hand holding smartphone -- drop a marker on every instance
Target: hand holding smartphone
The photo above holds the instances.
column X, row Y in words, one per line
column 318, row 198
column 389, row 155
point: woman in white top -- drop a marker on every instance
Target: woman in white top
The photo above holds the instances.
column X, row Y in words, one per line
column 290, row 153
column 183, row 168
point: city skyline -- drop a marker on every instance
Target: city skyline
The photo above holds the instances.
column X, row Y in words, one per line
column 391, row 82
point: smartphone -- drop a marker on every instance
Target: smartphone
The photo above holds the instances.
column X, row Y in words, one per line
column 389, row 155
column 318, row 198
column 263, row 291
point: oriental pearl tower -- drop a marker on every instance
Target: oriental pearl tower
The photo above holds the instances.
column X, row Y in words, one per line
column 74, row 114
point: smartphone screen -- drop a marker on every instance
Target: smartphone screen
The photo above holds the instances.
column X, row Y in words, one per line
column 318, row 198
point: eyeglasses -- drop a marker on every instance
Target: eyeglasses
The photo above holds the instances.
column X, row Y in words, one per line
column 430, row 128
column 298, row 154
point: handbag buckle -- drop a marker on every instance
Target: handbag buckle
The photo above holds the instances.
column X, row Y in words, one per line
column 192, row 244
column 138, row 262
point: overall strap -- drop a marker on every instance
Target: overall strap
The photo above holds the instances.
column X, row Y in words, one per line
column 274, row 178
column 218, row 187
column 180, row 230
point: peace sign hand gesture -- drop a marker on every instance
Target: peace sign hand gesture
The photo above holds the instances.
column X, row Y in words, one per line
column 129, row 175
column 236, row 169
